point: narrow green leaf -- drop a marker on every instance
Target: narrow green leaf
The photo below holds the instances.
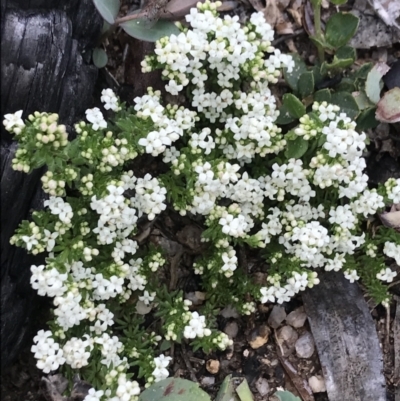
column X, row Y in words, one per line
column 296, row 148
column 286, row 396
column 321, row 42
column 139, row 30
column 165, row 345
column 306, row 84
column 108, row 9
column 346, row 103
column 100, row 57
column 366, row 119
column 340, row 28
column 244, row 392
column 226, row 391
column 292, row 78
column 323, row 95
column 338, row 2
column 294, row 105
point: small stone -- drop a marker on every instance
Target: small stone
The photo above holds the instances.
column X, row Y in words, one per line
column 229, row 311
column 212, row 365
column 297, row 318
column 259, row 336
column 305, row 346
column 287, row 337
column 231, row 329
column 262, row 386
column 207, row 381
column 317, row 384
column 277, row 316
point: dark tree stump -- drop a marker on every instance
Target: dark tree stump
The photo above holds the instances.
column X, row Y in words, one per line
column 346, row 340
column 42, row 69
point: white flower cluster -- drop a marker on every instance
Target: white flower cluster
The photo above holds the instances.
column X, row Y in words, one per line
column 95, row 116
column 393, row 189
column 392, row 250
column 110, row 100
column 48, row 353
column 196, row 327
column 160, row 371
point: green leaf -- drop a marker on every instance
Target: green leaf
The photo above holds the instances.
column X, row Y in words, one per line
column 321, row 42
column 340, row 28
column 337, row 64
column 294, row 105
column 345, row 85
column 226, row 391
column 139, row 30
column 100, row 57
column 374, row 83
column 363, row 71
column 362, row 100
column 338, row 2
column 286, row 396
column 346, row 103
column 165, row 345
column 284, row 116
column 296, row 148
column 292, row 78
column 323, row 95
column 346, row 52
column 244, row 392
column 174, row 389
column 366, row 119
column 306, row 84
column 108, row 9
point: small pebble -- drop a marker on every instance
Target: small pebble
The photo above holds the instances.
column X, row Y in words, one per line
column 297, row 318
column 262, row 386
column 212, row 366
column 231, row 329
column 305, row 346
column 317, row 384
column 207, row 381
column 287, row 337
column 277, row 316
column 229, row 311
column 259, row 336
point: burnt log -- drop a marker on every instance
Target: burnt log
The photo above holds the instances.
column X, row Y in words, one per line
column 43, row 68
column 346, row 340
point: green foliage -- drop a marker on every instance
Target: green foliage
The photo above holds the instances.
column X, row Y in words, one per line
column 100, row 58
column 140, row 30
column 174, row 389
column 108, row 9
column 340, row 28
column 286, row 396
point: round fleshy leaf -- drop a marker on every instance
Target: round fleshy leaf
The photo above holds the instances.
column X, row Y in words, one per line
column 108, row 9
column 139, row 29
column 100, row 57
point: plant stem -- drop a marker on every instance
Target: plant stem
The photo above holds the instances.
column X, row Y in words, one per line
column 130, row 17
column 318, row 29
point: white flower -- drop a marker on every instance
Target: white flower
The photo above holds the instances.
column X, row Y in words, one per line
column 147, row 298
column 94, row 395
column 386, row 275
column 160, row 372
column 13, row 121
column 392, row 250
column 110, row 100
column 95, row 116
column 351, row 275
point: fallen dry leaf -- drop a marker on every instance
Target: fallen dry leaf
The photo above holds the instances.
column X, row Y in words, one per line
column 388, row 107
